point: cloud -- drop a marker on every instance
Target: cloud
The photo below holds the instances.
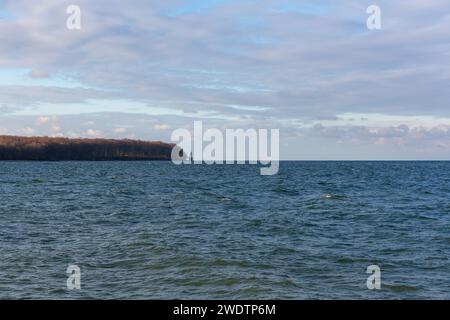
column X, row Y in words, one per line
column 45, row 120
column 93, row 133
column 28, row 131
column 161, row 126
column 37, row 74
column 276, row 64
column 120, row 130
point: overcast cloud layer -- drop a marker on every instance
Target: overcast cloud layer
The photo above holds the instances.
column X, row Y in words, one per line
column 141, row 69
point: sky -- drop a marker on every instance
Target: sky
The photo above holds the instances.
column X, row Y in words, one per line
column 312, row 69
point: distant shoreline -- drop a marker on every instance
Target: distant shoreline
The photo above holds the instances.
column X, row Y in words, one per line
column 16, row 148
column 107, row 160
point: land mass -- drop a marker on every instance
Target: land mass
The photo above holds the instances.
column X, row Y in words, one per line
column 65, row 149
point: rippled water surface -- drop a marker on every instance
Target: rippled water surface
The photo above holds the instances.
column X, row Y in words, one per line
column 153, row 230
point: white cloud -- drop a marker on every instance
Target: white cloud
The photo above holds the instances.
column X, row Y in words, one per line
column 93, row 133
column 28, row 131
column 43, row 120
column 161, row 126
column 120, row 130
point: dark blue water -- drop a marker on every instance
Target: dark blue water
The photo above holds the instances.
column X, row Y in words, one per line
column 152, row 230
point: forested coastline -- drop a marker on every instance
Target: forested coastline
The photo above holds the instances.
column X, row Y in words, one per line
column 66, row 149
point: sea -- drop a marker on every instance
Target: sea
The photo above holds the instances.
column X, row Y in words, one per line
column 155, row 230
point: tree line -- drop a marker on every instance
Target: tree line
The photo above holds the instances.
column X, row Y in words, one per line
column 60, row 149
